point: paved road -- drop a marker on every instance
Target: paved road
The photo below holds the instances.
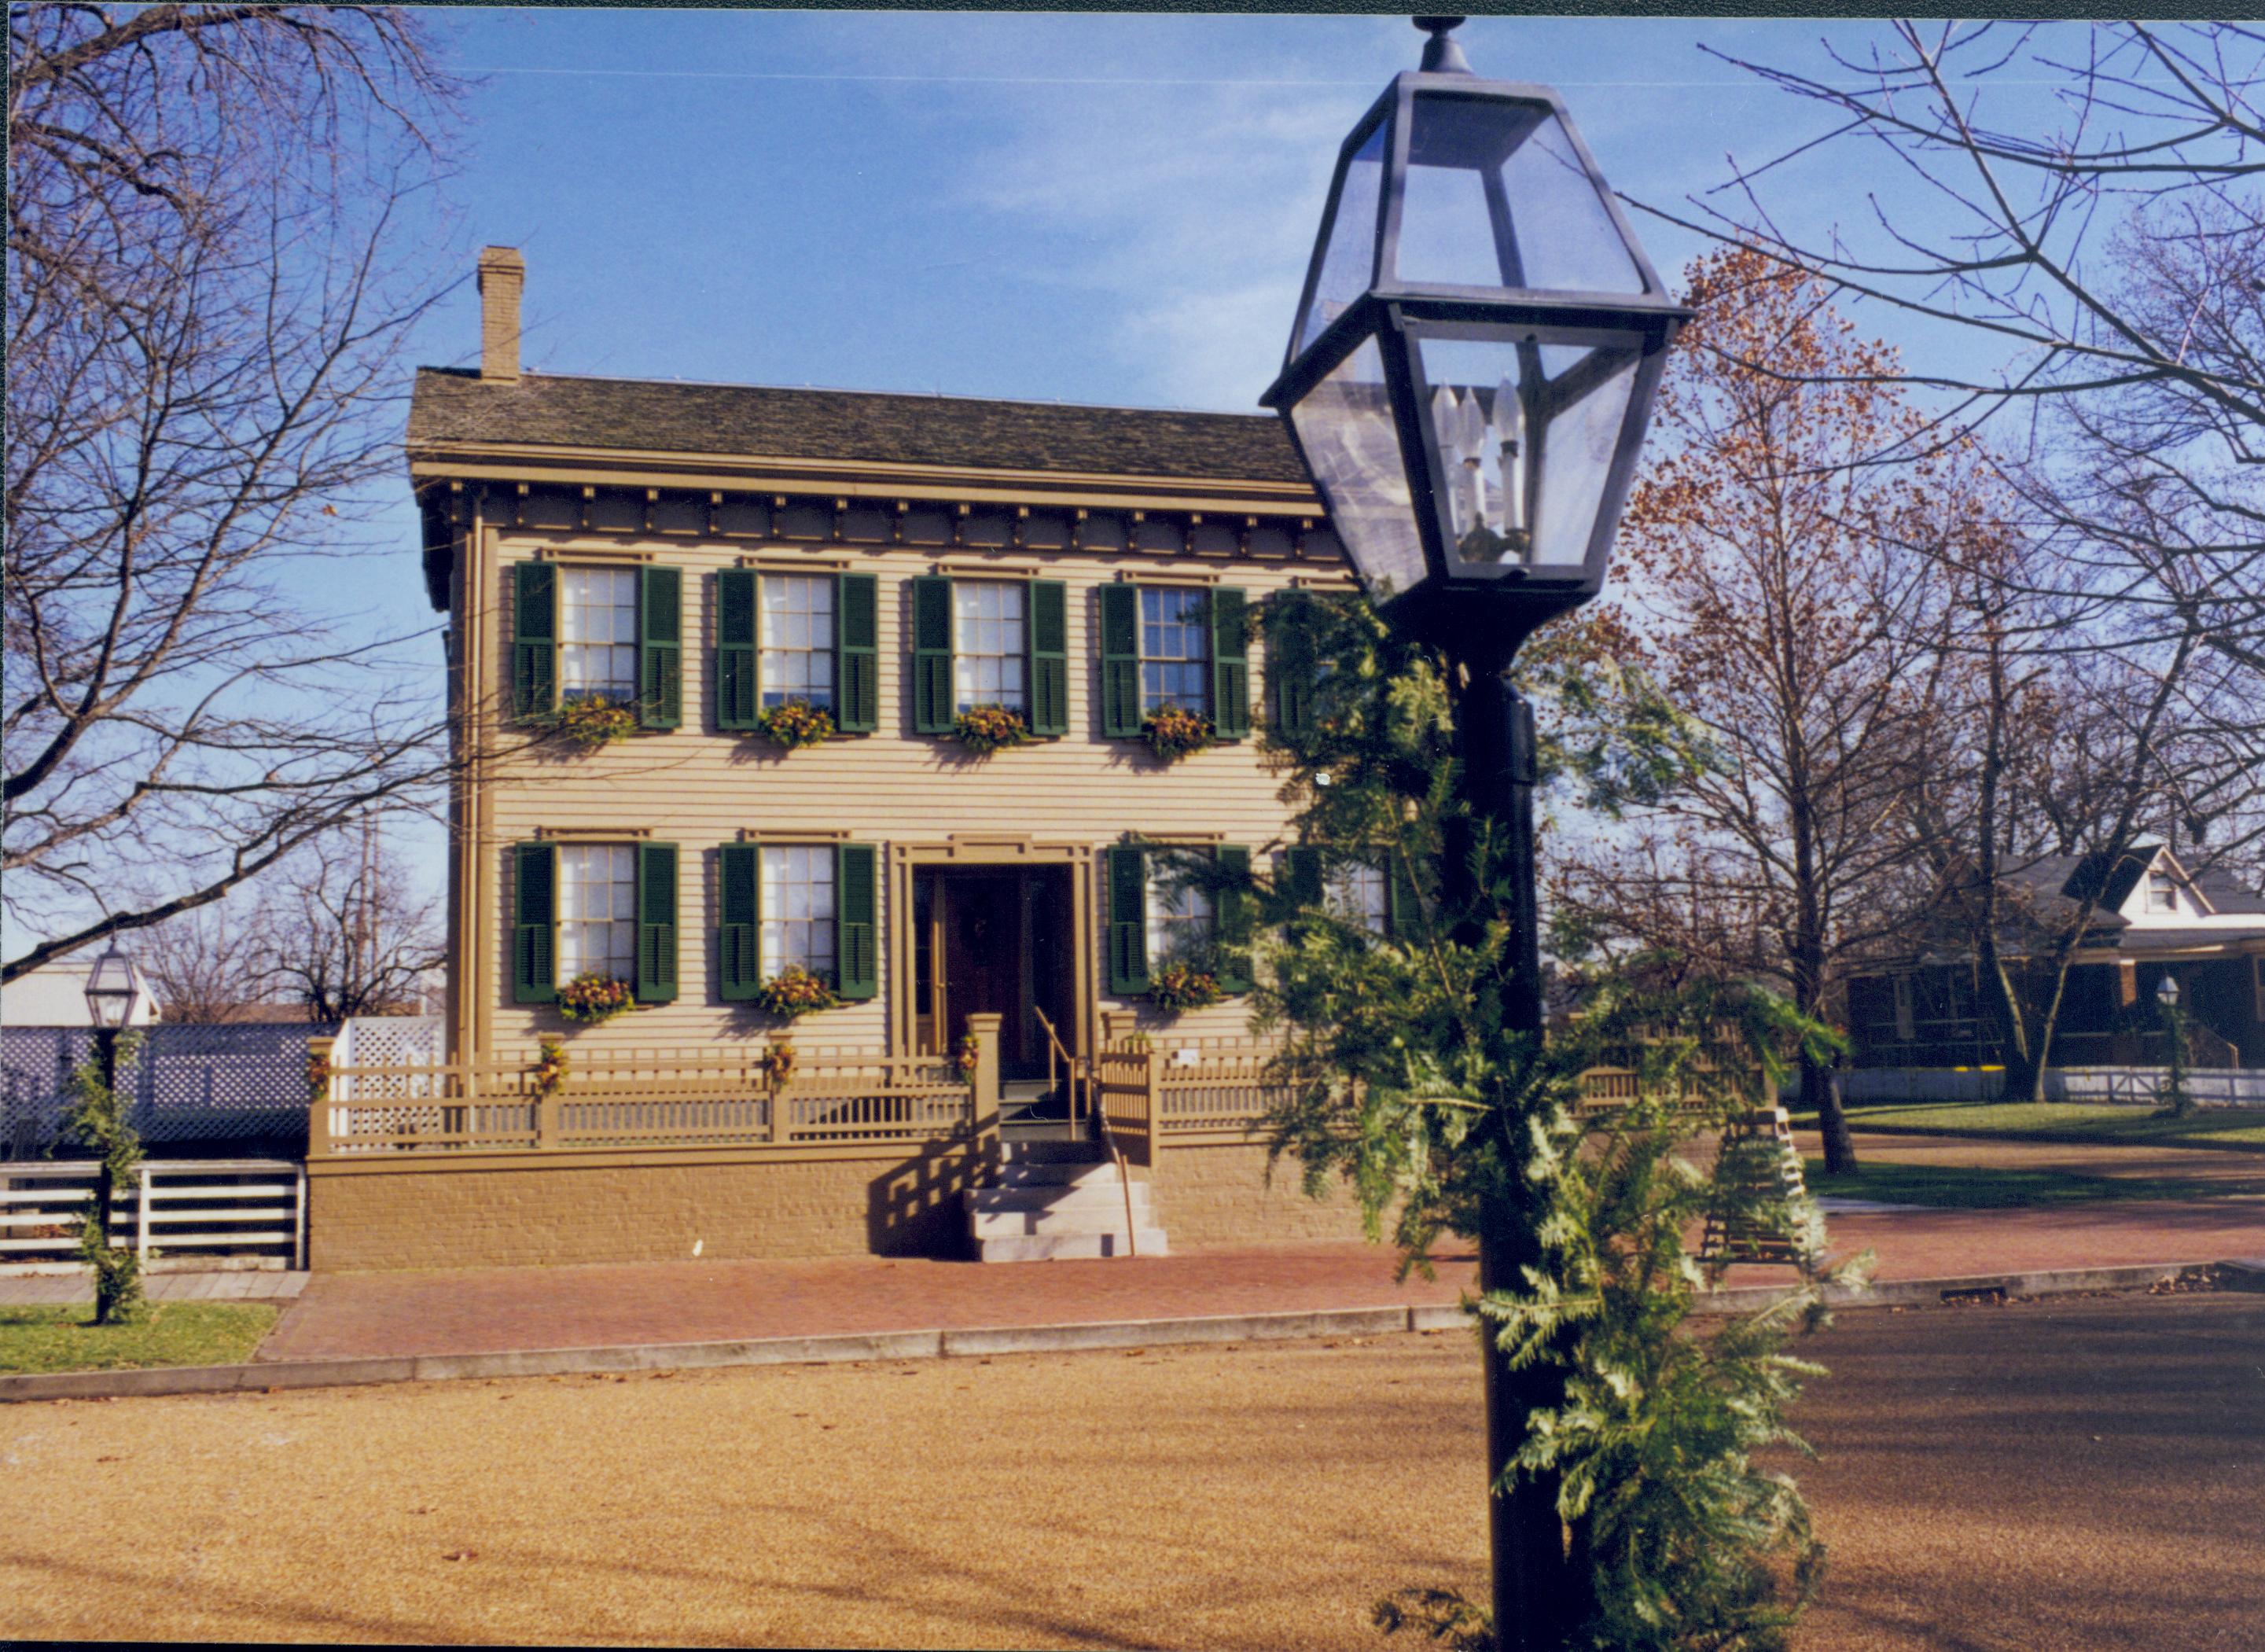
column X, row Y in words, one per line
column 2082, row 1473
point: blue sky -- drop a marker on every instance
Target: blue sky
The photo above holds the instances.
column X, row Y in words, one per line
column 1103, row 208
column 1090, row 209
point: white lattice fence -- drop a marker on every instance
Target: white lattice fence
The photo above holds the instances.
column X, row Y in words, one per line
column 189, row 1083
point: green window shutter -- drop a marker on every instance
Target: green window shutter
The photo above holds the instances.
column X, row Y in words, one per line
column 534, row 924
column 534, row 639
column 1046, row 608
column 738, row 700
column 1301, row 875
column 856, row 653
column 655, row 929
column 1127, row 872
column 933, row 699
column 740, row 928
column 660, row 648
column 857, row 931
column 1230, row 663
column 1232, row 923
column 1289, row 674
column 1120, row 662
column 1403, row 910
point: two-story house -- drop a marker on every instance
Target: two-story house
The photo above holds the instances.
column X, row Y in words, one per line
column 2149, row 919
column 807, row 615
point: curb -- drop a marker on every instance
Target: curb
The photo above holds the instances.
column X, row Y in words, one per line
column 2247, row 1274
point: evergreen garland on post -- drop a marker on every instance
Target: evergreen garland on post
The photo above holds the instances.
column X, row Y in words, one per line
column 97, row 1117
column 1402, row 1081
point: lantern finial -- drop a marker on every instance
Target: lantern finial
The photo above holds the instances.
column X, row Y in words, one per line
column 1443, row 55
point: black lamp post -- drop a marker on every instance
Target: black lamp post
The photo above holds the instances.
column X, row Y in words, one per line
column 1469, row 379
column 110, row 992
column 2174, row 1042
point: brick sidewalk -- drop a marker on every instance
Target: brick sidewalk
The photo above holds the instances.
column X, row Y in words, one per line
column 501, row 1309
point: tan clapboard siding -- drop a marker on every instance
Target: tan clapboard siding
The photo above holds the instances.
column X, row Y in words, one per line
column 699, row 788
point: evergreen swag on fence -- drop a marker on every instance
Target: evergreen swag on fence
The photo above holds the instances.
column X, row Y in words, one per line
column 1402, row 1081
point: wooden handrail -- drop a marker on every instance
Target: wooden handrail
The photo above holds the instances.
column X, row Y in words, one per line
column 1100, row 1118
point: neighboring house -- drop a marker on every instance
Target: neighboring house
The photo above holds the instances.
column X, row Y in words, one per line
column 702, row 554
column 54, row 995
column 2151, row 919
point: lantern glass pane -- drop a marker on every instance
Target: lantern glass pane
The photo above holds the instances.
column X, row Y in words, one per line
column 1564, row 229
column 1496, row 197
column 1345, row 425
column 1349, row 260
column 1522, row 436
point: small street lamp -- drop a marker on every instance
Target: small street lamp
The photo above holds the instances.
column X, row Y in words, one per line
column 111, row 989
column 2167, row 997
column 1470, row 374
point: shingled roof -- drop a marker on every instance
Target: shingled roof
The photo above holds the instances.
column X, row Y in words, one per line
column 553, row 409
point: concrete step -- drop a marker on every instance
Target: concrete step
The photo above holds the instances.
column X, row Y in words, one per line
column 1067, row 1175
column 1051, row 1152
column 1104, row 1193
column 1091, row 1219
column 988, row 1223
column 1071, row 1247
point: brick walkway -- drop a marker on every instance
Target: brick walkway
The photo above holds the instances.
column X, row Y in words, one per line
column 497, row 1309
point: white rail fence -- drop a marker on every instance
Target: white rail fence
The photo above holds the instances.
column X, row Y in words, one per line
column 2120, row 1087
column 175, row 1213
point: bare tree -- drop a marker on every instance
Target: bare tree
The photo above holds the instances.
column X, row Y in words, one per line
column 345, row 935
column 2074, row 210
column 208, row 278
column 1774, row 593
column 204, row 962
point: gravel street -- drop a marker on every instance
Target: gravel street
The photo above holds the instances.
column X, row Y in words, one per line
column 2084, row 1472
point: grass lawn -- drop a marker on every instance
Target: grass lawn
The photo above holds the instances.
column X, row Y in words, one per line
column 1990, row 1187
column 51, row 1338
column 2241, row 1129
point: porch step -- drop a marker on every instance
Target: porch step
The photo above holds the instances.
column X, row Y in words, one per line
column 1072, row 1247
column 1055, row 1210
column 1059, row 1200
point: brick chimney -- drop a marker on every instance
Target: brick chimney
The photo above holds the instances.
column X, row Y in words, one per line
column 503, row 273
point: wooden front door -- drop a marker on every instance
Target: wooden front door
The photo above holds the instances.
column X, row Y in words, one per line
column 996, row 941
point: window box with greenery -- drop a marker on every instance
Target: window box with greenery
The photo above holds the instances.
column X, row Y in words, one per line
column 986, row 728
column 798, row 925
column 797, row 655
column 592, row 999
column 597, row 652
column 984, row 646
column 1174, row 666
column 592, row 910
column 794, row 991
column 794, row 725
column 1179, row 930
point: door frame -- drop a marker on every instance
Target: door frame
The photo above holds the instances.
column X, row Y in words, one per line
column 1006, row 851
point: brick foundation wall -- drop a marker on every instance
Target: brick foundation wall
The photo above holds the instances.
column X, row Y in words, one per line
column 1222, row 1196
column 558, row 1214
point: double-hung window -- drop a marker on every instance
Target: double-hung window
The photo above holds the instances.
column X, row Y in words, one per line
column 1160, row 915
column 598, row 634
column 597, row 910
column 797, row 908
column 1178, row 647
column 1174, row 649
column 1354, row 893
column 1179, row 916
column 2162, row 892
column 798, row 639
column 989, row 650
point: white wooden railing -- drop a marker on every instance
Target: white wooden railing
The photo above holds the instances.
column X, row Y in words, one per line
column 252, row 1210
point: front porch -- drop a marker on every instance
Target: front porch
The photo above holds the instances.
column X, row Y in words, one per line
column 662, row 1154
